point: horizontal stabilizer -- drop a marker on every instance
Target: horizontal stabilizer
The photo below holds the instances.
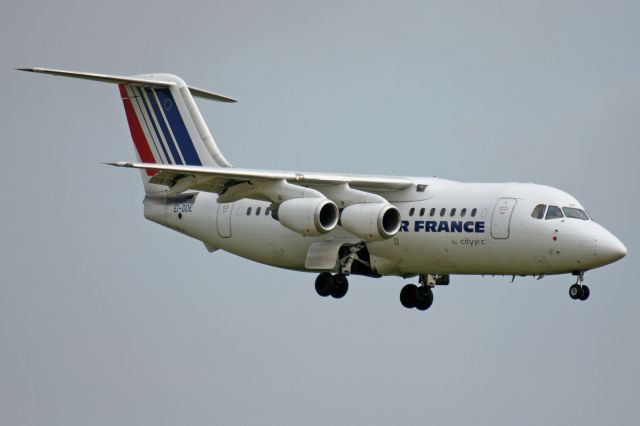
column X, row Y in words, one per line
column 134, row 81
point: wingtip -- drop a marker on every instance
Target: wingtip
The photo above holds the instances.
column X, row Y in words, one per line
column 25, row 69
column 119, row 164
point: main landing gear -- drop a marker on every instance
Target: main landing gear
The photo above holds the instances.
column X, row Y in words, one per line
column 421, row 296
column 412, row 296
column 335, row 286
column 579, row 291
column 353, row 259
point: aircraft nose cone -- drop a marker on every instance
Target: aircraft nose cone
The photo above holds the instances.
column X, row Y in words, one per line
column 611, row 249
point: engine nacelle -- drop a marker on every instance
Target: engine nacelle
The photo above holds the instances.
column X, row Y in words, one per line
column 309, row 216
column 371, row 221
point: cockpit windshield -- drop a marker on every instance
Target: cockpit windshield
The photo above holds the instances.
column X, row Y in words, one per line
column 575, row 213
column 554, row 212
column 538, row 211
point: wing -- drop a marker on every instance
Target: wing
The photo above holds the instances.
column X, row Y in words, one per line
column 232, row 184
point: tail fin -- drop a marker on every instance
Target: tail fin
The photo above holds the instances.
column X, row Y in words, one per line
column 165, row 123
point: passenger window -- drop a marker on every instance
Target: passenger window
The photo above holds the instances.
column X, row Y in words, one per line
column 258, row 211
column 463, row 212
column 432, row 212
column 538, row 211
column 412, row 211
column 575, row 213
column 473, row 212
column 422, row 211
column 453, row 212
column 267, row 211
column 248, row 211
column 442, row 212
column 554, row 212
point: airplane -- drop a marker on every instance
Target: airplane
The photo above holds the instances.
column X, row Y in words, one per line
column 339, row 225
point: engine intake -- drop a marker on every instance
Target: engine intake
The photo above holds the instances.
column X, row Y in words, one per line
column 309, row 216
column 371, row 221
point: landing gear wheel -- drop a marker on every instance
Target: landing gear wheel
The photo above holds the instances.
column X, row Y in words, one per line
column 425, row 298
column 584, row 293
column 409, row 296
column 575, row 291
column 341, row 286
column 325, row 284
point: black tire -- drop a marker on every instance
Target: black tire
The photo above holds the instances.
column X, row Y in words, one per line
column 409, row 296
column 425, row 299
column 575, row 291
column 585, row 292
column 325, row 284
column 341, row 286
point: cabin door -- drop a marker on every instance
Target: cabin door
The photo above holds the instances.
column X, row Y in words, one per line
column 223, row 220
column 501, row 219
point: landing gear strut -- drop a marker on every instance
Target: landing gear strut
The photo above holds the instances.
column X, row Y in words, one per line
column 353, row 260
column 578, row 291
column 419, row 297
column 335, row 286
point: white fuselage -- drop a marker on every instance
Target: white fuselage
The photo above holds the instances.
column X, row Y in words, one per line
column 452, row 228
column 338, row 224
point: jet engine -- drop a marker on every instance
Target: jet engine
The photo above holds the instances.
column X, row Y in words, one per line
column 371, row 221
column 308, row 216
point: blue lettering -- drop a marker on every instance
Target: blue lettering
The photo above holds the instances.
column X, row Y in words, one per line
column 443, row 226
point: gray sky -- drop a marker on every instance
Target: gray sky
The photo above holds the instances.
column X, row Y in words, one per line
column 106, row 318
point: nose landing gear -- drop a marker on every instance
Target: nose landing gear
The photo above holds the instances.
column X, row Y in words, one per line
column 579, row 291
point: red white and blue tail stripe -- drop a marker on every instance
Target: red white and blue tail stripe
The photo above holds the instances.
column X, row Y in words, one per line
column 159, row 129
column 165, row 123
